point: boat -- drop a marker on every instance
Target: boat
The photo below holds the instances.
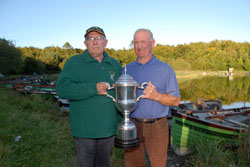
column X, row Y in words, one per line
column 41, row 89
column 11, row 83
column 192, row 126
column 63, row 104
column 201, row 104
column 21, row 80
column 20, row 87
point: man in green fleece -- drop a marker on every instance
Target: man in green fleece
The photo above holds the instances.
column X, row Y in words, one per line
column 84, row 81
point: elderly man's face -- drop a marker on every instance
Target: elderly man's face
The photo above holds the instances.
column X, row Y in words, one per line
column 95, row 43
column 143, row 45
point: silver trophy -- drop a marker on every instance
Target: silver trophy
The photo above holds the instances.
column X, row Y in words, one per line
column 125, row 88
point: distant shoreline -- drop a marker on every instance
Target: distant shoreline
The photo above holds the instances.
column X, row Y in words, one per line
column 196, row 74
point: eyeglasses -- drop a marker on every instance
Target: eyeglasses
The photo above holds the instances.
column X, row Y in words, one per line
column 99, row 38
column 141, row 42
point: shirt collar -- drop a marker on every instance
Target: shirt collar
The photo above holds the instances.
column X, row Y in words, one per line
column 89, row 58
column 149, row 62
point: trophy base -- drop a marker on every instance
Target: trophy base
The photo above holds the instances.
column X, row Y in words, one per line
column 124, row 144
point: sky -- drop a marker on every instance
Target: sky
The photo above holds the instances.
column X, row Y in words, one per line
column 44, row 23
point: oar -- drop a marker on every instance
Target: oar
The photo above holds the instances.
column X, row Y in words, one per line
column 236, row 122
column 223, row 116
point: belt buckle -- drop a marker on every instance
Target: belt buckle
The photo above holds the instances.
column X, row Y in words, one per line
column 145, row 120
column 149, row 121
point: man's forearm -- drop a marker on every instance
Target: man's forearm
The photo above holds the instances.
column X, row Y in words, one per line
column 168, row 99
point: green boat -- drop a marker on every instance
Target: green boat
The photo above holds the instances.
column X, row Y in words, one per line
column 191, row 126
column 11, row 82
column 46, row 91
column 19, row 87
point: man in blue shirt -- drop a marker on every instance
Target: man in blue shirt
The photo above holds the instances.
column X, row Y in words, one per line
column 150, row 115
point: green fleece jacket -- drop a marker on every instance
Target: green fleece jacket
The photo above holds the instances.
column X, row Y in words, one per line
column 91, row 115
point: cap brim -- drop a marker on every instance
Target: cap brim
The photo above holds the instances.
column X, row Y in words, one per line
column 94, row 31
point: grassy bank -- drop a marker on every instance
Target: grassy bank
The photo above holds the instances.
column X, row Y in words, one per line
column 213, row 154
column 45, row 135
column 45, row 139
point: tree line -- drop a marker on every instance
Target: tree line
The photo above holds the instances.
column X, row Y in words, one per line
column 217, row 55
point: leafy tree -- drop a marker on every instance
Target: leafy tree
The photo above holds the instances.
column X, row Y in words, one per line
column 67, row 46
column 31, row 65
column 10, row 58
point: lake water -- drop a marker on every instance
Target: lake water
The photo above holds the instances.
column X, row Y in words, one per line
column 233, row 92
column 237, row 105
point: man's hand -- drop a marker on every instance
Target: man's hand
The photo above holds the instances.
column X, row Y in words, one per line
column 102, row 88
column 150, row 92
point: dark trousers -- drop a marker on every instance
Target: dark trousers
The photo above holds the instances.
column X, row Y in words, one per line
column 153, row 138
column 93, row 152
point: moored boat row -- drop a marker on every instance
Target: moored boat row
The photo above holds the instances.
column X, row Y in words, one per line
column 37, row 85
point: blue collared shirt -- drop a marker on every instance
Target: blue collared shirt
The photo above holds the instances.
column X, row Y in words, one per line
column 162, row 76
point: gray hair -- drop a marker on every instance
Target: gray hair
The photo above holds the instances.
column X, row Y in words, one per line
column 147, row 30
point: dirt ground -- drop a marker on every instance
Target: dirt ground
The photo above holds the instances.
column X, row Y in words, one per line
column 173, row 159
column 176, row 161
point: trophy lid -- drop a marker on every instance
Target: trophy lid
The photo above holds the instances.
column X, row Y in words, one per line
column 126, row 80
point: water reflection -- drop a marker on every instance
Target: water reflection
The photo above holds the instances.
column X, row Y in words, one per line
column 232, row 91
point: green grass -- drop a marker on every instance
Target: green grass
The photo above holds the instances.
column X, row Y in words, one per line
column 45, row 133
column 117, row 157
column 45, row 137
column 214, row 154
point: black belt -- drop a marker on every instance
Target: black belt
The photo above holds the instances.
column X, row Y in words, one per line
column 147, row 120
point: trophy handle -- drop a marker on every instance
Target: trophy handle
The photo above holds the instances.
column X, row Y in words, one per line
column 138, row 98
column 111, row 97
column 109, row 88
column 141, row 87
